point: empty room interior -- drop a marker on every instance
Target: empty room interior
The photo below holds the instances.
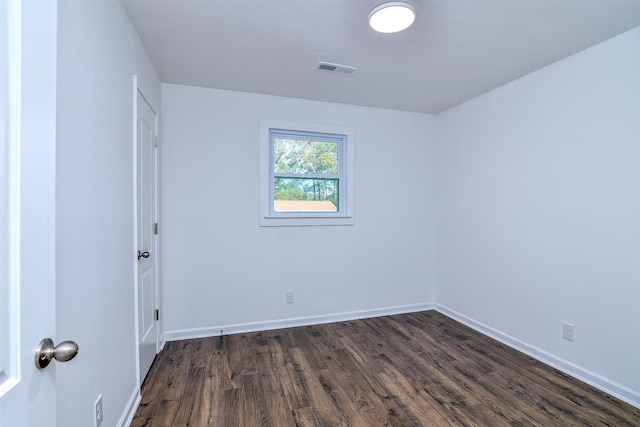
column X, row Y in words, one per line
column 481, row 199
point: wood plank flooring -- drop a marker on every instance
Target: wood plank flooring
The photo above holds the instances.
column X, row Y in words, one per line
column 419, row 369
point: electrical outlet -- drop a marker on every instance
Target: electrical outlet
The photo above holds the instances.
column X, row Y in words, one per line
column 567, row 331
column 288, row 297
column 97, row 410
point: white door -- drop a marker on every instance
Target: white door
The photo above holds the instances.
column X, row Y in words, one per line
column 27, row 206
column 146, row 235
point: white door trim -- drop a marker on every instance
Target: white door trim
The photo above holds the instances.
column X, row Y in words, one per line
column 134, row 147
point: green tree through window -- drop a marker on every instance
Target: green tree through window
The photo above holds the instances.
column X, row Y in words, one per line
column 306, row 167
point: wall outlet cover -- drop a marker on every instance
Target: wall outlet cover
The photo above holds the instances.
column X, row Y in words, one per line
column 97, row 410
column 568, row 331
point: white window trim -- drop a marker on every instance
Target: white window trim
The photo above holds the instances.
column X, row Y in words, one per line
column 292, row 219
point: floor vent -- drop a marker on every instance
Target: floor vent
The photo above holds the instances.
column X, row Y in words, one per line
column 336, row 68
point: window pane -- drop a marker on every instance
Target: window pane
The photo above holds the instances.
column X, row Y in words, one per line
column 305, row 195
column 305, row 156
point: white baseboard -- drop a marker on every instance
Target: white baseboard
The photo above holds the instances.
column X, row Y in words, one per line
column 613, row 388
column 130, row 410
column 239, row 328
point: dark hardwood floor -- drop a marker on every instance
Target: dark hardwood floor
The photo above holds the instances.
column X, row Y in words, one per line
column 420, row 369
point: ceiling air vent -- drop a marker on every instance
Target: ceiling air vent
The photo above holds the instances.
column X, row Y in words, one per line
column 336, row 68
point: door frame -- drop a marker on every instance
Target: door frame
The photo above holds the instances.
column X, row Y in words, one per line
column 156, row 244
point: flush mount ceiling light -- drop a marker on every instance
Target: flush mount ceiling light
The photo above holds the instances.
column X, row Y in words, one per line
column 392, row 17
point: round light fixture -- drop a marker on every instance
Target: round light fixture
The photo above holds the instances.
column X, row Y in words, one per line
column 392, row 17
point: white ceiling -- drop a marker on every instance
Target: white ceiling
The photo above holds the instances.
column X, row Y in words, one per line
column 455, row 50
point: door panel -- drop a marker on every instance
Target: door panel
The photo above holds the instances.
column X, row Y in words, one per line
column 146, row 240
column 27, row 282
column 147, row 307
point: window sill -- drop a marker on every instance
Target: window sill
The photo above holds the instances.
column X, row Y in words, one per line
column 305, row 220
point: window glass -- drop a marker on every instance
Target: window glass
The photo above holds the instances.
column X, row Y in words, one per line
column 306, row 171
column 304, row 156
column 309, row 195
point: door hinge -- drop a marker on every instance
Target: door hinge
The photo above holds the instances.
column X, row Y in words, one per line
column 155, row 228
column 155, row 140
column 157, row 313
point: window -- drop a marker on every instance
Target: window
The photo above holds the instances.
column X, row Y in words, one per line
column 306, row 174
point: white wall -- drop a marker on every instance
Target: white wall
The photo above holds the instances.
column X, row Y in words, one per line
column 539, row 212
column 221, row 270
column 98, row 54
